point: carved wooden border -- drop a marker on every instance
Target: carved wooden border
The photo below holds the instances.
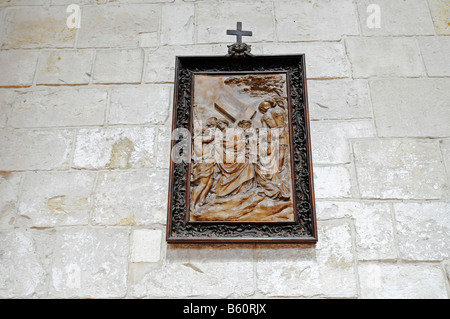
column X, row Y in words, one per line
column 304, row 230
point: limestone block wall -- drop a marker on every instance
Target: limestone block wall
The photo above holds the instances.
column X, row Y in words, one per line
column 85, row 118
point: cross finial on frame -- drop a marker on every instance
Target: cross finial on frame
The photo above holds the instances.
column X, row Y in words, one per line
column 239, row 33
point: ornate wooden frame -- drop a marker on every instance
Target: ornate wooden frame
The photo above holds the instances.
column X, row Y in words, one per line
column 304, row 229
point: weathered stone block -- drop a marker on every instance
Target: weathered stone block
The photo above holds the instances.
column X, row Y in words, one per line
column 18, row 67
column 90, row 263
column 383, row 56
column 373, row 226
column 33, row 149
column 434, row 53
column 423, row 230
column 140, row 1
column 440, row 11
column 408, row 17
column 405, row 169
column 315, row 20
column 189, row 271
column 140, row 105
column 411, row 107
column 214, row 18
column 116, row 26
column 330, row 139
column 58, row 107
column 119, row 66
column 445, row 149
column 36, row 27
column 447, row 270
column 401, row 281
column 163, row 150
column 332, row 182
column 130, row 198
column 56, row 198
column 326, row 270
column 6, row 3
column 161, row 62
column 146, row 245
column 323, row 60
column 79, row 2
column 339, row 99
column 6, row 98
column 65, row 67
column 177, row 25
column 148, row 39
column 9, row 193
column 24, row 263
column 115, row 148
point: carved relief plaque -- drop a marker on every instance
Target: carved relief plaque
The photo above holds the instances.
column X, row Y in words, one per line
column 237, row 182
column 241, row 167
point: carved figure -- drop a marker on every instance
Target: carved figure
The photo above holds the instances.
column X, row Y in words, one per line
column 243, row 176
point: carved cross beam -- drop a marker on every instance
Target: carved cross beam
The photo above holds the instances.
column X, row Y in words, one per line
column 233, row 109
column 239, row 33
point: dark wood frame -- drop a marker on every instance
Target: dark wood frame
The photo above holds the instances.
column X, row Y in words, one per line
column 304, row 228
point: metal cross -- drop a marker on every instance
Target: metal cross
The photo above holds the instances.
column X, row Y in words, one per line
column 239, row 33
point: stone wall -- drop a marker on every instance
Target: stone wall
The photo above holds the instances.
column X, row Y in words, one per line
column 85, row 118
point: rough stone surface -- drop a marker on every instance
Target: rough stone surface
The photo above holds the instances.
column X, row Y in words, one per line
column 332, row 181
column 445, row 149
column 402, row 281
column 118, row 66
column 9, row 193
column 434, row 50
column 146, row 246
column 6, row 98
column 315, row 20
column 373, row 226
column 115, row 148
column 61, row 2
column 178, row 24
column 130, row 198
column 7, row 3
column 404, row 107
column 57, row 67
column 440, row 11
column 163, row 155
column 189, row 271
column 56, row 198
column 31, row 27
column 384, row 57
column 58, row 108
column 339, row 99
column 324, row 271
column 24, row 263
column 140, row 105
column 330, row 139
column 140, row 1
column 35, row 149
column 323, row 60
column 397, row 18
column 398, row 168
column 423, row 230
column 116, row 26
column 90, row 263
column 160, row 65
column 17, row 67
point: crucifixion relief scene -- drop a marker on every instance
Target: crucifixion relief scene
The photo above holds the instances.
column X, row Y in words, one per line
column 241, row 163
